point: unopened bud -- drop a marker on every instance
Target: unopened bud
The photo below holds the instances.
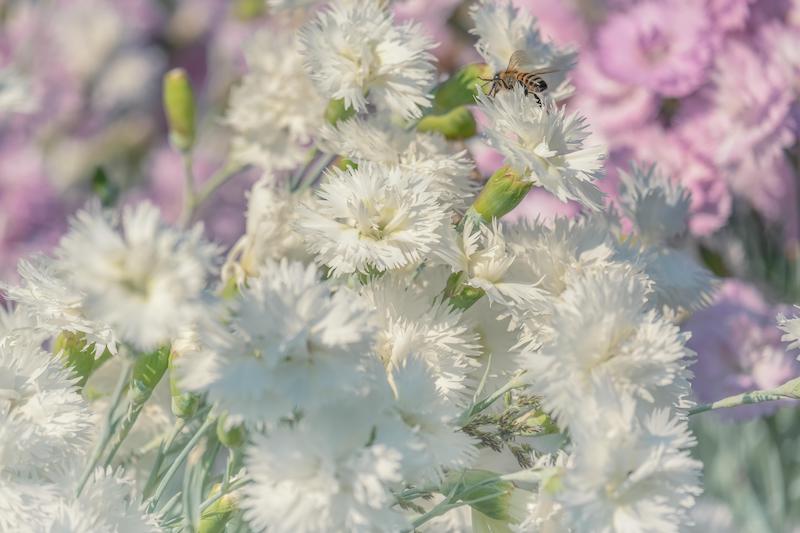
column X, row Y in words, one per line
column 455, row 124
column 337, row 111
column 72, row 349
column 179, row 108
column 216, row 516
column 496, row 498
column 501, row 194
column 184, row 404
column 231, row 436
column 147, row 373
column 460, row 89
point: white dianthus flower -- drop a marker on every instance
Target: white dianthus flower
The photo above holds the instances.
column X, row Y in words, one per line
column 355, row 52
column 269, row 233
column 657, row 207
column 108, row 503
column 601, row 329
column 628, row 472
column 489, row 263
column 437, row 443
column 54, row 306
column 791, row 328
column 409, row 324
column 379, row 141
column 503, row 29
column 330, row 472
column 372, row 217
column 289, row 343
column 144, row 279
column 44, row 421
column 545, row 145
column 679, row 282
column 275, row 109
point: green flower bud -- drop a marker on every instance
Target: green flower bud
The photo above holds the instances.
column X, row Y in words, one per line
column 147, row 373
column 460, row 89
column 72, row 349
column 337, row 111
column 179, row 108
column 498, row 499
column 461, row 296
column 249, row 9
column 501, row 194
column 216, row 516
column 230, row 437
column 455, row 124
column 184, row 404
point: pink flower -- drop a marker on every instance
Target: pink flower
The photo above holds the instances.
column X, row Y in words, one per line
column 32, row 217
column 738, row 348
column 561, row 22
column 610, row 105
column 541, row 205
column 665, row 46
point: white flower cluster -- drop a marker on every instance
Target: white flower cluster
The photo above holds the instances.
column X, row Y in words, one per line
column 386, row 347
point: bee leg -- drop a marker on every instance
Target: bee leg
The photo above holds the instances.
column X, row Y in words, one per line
column 538, row 100
column 525, row 90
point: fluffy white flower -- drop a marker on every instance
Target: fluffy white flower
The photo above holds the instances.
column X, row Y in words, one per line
column 355, row 52
column 54, row 306
column 378, row 140
column 791, row 328
column 491, row 264
column 330, row 472
column 679, row 282
column 289, row 343
column 372, row 217
column 630, row 473
column 657, row 206
column 108, row 503
column 409, row 324
column 144, row 279
column 437, row 443
column 275, row 109
column 545, row 145
column 503, row 29
column 544, row 513
column 269, row 233
column 601, row 329
column 44, row 422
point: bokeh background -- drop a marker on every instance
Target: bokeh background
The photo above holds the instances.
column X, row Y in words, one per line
column 705, row 89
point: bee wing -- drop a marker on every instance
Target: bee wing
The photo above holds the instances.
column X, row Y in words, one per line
column 545, row 71
column 518, row 58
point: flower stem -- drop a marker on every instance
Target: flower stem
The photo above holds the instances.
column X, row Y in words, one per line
column 162, row 486
column 110, row 425
column 517, row 382
column 788, row 391
column 195, row 200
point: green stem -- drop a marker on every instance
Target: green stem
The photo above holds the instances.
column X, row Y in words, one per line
column 162, row 486
column 517, row 382
column 195, row 200
column 163, row 450
column 740, row 399
column 110, row 425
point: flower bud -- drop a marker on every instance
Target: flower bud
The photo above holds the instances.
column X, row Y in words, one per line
column 337, row 111
column 147, row 373
column 497, row 499
column 501, row 194
column 460, row 89
column 455, row 124
column 179, row 108
column 184, row 404
column 216, row 516
column 230, row 436
column 72, row 349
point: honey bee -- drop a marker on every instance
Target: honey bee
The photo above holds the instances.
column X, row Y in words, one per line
column 531, row 81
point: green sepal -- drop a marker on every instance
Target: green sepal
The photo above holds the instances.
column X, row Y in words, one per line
column 455, row 124
column 503, row 192
column 336, row 111
column 461, row 88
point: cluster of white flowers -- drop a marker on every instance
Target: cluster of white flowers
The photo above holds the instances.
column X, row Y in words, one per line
column 385, row 346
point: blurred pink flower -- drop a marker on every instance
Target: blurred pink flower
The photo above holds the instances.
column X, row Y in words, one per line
column 665, row 46
column 32, row 217
column 610, row 105
column 561, row 22
column 738, row 348
column 541, row 205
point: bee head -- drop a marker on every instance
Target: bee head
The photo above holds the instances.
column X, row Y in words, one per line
column 540, row 85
